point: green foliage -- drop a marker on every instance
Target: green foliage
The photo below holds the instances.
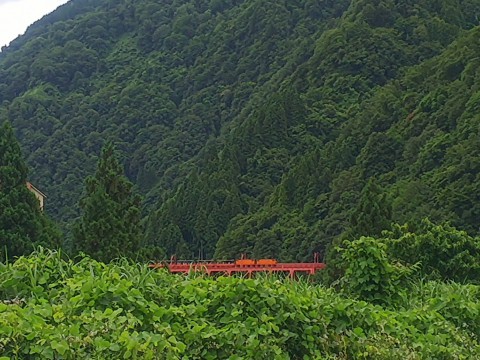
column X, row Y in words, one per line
column 22, row 223
column 369, row 273
column 160, row 79
column 256, row 125
column 441, row 250
column 373, row 212
column 110, row 223
column 54, row 308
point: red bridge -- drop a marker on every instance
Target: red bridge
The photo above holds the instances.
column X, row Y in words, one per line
column 242, row 266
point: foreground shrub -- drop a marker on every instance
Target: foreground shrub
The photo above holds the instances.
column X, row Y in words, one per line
column 368, row 273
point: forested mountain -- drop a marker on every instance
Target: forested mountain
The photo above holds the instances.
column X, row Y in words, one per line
column 267, row 127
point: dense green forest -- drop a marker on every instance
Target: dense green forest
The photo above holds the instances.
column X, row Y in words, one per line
column 272, row 128
column 215, row 128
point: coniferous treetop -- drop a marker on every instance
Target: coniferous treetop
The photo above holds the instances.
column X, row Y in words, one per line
column 22, row 223
column 13, row 170
column 110, row 223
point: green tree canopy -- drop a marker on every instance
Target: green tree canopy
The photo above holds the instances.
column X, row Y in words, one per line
column 255, row 120
column 110, row 224
column 22, row 223
column 373, row 212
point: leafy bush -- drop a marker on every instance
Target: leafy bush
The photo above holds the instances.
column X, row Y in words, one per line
column 369, row 274
column 442, row 250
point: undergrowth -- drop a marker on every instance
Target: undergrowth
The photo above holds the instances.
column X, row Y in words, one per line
column 55, row 308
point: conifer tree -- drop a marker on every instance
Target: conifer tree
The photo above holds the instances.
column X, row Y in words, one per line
column 22, row 224
column 110, row 224
column 373, row 213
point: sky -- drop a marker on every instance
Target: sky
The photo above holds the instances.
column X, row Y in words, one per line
column 17, row 15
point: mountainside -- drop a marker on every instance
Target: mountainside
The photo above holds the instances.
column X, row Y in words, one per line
column 267, row 127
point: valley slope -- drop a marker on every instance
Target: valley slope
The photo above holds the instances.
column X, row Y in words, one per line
column 267, row 127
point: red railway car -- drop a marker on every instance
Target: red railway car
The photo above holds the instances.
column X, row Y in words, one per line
column 266, row 262
column 245, row 262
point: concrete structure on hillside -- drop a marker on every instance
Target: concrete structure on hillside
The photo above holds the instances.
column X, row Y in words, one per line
column 38, row 194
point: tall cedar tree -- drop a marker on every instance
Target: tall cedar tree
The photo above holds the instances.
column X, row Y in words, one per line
column 373, row 213
column 22, row 224
column 110, row 225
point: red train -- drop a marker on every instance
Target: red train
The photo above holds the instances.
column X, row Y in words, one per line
column 251, row 262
